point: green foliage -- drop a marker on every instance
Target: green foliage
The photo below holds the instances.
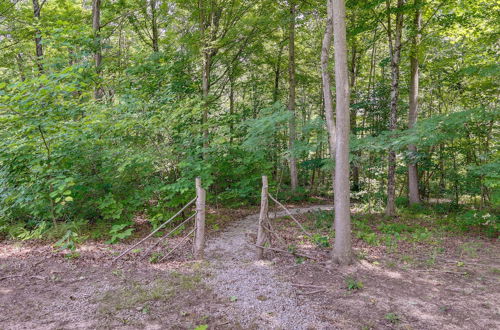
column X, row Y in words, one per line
column 369, row 238
column 365, row 232
column 353, row 284
column 321, row 241
column 67, row 157
column 392, row 317
column 395, row 228
column 69, row 241
column 322, row 219
column 201, row 327
column 155, row 257
column 472, row 220
column 119, row 232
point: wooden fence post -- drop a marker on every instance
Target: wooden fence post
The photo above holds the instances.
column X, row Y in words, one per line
column 262, row 234
column 199, row 244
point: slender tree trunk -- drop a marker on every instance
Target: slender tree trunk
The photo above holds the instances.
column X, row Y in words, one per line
column 325, row 77
column 231, row 105
column 38, row 37
column 205, row 85
column 342, row 253
column 205, row 74
column 96, row 26
column 154, row 25
column 277, row 73
column 395, row 49
column 413, row 111
column 291, row 99
column 354, row 113
column 19, row 61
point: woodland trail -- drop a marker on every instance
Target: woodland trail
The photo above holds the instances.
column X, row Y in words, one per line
column 260, row 298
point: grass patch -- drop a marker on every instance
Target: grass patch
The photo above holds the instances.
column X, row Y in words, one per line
column 141, row 295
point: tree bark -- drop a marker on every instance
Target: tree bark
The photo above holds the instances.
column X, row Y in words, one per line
column 413, row 193
column 395, row 49
column 277, row 72
column 342, row 253
column 291, row 99
column 96, row 26
column 38, row 37
column 325, row 77
column 352, row 83
column 154, row 26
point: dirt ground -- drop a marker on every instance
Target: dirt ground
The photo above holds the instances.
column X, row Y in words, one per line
column 411, row 288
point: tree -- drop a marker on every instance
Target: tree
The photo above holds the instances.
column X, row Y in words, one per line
column 413, row 193
column 292, row 161
column 37, row 9
column 325, row 77
column 395, row 54
column 342, row 253
column 96, row 26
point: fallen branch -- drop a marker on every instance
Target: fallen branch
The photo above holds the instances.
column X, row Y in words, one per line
column 154, row 231
column 165, row 236
column 290, row 214
column 287, row 252
column 184, row 240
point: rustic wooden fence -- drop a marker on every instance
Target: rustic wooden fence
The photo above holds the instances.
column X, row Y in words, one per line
column 198, row 230
column 265, row 229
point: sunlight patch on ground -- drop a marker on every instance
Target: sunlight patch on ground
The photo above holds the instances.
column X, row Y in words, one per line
column 5, row 290
column 263, row 263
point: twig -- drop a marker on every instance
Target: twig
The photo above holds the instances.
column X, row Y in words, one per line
column 438, row 271
column 184, row 240
column 13, row 276
column 311, row 292
column 271, row 231
column 154, row 231
column 287, row 252
column 309, row 286
column 10, row 276
column 290, row 214
column 165, row 236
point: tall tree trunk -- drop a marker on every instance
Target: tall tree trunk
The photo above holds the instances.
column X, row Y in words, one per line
column 413, row 194
column 291, row 99
column 38, row 37
column 354, row 113
column 154, row 25
column 325, row 77
column 96, row 26
column 342, row 253
column 395, row 49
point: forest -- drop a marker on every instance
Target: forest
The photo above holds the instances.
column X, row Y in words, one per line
column 342, row 156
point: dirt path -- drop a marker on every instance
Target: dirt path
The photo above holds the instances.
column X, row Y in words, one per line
column 259, row 298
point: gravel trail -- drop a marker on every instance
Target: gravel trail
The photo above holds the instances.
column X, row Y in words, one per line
column 259, row 298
